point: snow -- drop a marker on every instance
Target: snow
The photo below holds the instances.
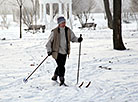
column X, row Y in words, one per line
column 19, row 57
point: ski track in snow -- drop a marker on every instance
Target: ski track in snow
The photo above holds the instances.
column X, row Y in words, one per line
column 19, row 57
column 102, row 89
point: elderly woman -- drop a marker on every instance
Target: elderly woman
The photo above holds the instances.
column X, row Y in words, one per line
column 58, row 46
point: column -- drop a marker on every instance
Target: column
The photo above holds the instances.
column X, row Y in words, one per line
column 65, row 10
column 70, row 15
column 51, row 12
column 60, row 8
column 44, row 10
column 70, row 10
column 44, row 13
column 40, row 11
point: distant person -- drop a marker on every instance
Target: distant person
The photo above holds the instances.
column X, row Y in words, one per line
column 58, row 46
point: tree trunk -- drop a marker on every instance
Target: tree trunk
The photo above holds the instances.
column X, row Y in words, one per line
column 117, row 26
column 108, row 14
column 20, row 21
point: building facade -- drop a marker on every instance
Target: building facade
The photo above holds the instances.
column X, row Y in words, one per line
column 64, row 9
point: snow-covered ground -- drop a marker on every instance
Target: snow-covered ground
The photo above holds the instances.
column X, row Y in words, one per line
column 19, row 57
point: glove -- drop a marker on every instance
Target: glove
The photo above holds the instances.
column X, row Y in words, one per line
column 49, row 53
column 80, row 39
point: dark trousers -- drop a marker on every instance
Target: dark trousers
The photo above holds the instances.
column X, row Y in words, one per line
column 61, row 60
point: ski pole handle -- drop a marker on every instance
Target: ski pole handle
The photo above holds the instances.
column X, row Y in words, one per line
column 80, row 35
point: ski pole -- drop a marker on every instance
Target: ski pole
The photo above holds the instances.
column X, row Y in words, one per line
column 26, row 79
column 79, row 61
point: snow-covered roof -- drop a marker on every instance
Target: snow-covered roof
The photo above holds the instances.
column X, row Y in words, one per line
column 55, row 1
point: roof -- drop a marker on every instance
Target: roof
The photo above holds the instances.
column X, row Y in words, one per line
column 55, row 1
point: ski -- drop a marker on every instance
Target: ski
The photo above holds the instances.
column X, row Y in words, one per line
column 86, row 85
column 81, row 85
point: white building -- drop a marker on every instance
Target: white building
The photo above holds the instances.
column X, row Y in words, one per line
column 63, row 7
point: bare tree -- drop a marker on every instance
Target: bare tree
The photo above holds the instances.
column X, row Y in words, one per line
column 20, row 4
column 28, row 9
column 82, row 9
column 4, row 23
column 4, row 12
column 1, row 2
column 134, row 9
column 31, row 14
column 117, row 26
column 134, row 5
column 35, row 6
column 27, row 16
column 108, row 13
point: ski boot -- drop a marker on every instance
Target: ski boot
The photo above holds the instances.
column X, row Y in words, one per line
column 54, row 78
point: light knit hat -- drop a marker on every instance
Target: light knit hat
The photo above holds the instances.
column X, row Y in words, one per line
column 60, row 20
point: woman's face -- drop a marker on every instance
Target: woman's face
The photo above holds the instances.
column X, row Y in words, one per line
column 62, row 24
